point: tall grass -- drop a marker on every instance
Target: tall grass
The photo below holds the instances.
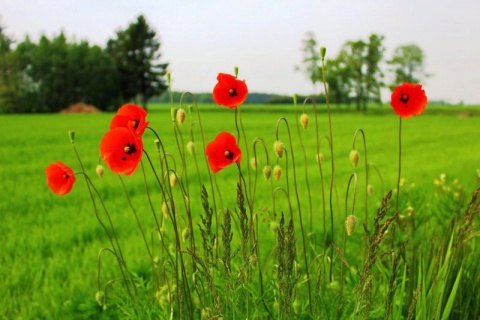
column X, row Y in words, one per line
column 233, row 258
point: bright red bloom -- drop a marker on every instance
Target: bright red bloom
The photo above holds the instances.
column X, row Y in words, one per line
column 132, row 116
column 121, row 149
column 60, row 178
column 223, row 151
column 229, row 91
column 408, row 100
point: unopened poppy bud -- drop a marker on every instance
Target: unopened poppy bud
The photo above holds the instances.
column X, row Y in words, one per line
column 279, row 148
column 320, row 158
column 173, row 179
column 99, row 170
column 71, row 135
column 165, row 210
column 190, row 147
column 354, row 156
column 304, row 120
column 277, row 172
column 169, row 77
column 235, row 71
column 274, row 227
column 350, row 224
column 181, row 116
column 254, row 163
column 173, row 113
column 370, row 190
column 157, row 143
column 323, row 51
column 253, row 260
column 100, row 296
column 185, row 234
column 297, row 306
column 267, row 172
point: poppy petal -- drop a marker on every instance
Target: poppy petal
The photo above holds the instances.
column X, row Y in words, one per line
column 222, row 152
column 60, row 178
column 408, row 100
column 121, row 149
column 132, row 116
column 229, row 91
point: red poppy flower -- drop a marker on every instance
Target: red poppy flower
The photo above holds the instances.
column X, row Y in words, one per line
column 121, row 150
column 60, row 178
column 408, row 100
column 223, row 151
column 229, row 91
column 132, row 116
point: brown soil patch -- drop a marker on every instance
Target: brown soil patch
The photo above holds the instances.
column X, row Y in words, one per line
column 81, row 107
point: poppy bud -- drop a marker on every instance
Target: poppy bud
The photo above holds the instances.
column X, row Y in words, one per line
column 99, row 170
column 320, row 158
column 323, row 51
column 165, row 210
column 279, row 148
column 185, row 234
column 296, row 306
column 252, row 260
column 71, row 135
column 100, row 297
column 190, row 147
column 354, row 156
column 277, row 172
column 350, row 224
column 370, row 190
column 173, row 179
column 267, row 172
column 254, row 163
column 181, row 116
column 157, row 144
column 274, row 227
column 304, row 120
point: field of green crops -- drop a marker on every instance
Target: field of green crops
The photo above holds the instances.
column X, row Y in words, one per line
column 50, row 244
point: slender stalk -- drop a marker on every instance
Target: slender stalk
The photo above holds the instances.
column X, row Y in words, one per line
column 295, row 184
column 332, row 177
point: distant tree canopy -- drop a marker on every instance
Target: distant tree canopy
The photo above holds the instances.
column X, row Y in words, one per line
column 356, row 74
column 52, row 74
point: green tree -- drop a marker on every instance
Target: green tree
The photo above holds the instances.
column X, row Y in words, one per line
column 338, row 75
column 407, row 64
column 135, row 51
column 364, row 60
column 311, row 59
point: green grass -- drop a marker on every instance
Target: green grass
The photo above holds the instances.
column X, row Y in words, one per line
column 50, row 244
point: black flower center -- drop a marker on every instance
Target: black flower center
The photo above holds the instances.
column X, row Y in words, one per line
column 129, row 149
column 232, row 92
column 404, row 97
column 229, row 154
column 66, row 176
column 135, row 124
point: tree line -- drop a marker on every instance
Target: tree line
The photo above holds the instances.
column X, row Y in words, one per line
column 53, row 73
column 356, row 75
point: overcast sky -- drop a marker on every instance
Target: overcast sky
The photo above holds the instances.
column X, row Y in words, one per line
column 263, row 37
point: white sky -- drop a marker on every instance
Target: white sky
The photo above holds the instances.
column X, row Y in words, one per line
column 263, row 37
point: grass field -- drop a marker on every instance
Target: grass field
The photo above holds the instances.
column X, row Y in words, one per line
column 50, row 244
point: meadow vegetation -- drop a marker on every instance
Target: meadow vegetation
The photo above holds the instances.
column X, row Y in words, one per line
column 417, row 262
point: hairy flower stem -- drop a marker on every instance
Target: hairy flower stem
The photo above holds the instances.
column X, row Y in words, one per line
column 365, row 238
column 332, row 177
column 238, row 119
column 295, row 184
column 302, row 144
column 120, row 259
